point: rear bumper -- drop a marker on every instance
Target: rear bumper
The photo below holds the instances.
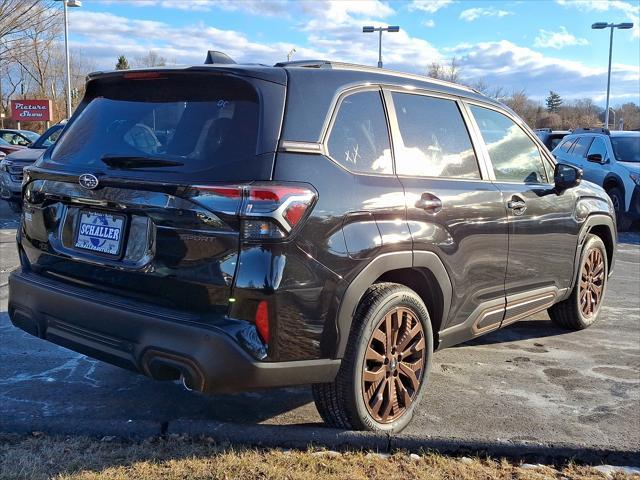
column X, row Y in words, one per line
column 133, row 337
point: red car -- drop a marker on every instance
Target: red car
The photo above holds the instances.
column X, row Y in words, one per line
column 7, row 148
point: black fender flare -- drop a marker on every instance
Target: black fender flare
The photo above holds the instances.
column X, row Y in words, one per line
column 594, row 220
column 374, row 270
column 614, row 178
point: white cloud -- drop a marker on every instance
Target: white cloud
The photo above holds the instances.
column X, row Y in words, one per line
column 429, row 23
column 500, row 63
column 630, row 11
column 429, row 6
column 557, row 40
column 471, row 14
column 513, row 67
column 340, row 40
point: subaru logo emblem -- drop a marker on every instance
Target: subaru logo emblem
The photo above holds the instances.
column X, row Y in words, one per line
column 88, row 181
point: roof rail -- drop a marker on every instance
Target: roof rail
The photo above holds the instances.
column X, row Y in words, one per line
column 602, row 130
column 365, row 68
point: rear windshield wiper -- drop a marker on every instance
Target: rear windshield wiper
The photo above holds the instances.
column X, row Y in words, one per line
column 132, row 161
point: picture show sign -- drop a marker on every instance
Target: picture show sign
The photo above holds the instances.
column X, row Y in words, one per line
column 31, row 110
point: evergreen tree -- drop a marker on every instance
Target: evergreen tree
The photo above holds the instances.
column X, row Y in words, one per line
column 553, row 101
column 123, row 63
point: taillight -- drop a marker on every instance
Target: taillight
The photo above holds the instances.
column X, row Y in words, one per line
column 262, row 320
column 268, row 211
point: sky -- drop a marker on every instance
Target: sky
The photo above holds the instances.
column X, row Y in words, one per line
column 535, row 45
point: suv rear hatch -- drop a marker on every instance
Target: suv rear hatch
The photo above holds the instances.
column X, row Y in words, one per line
column 132, row 199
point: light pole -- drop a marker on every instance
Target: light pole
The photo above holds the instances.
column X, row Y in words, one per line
column 65, row 4
column 390, row 29
column 600, row 26
column 290, row 54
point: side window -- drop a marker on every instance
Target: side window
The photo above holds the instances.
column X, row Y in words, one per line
column 566, row 145
column 581, row 146
column 359, row 138
column 598, row 146
column 515, row 157
column 434, row 139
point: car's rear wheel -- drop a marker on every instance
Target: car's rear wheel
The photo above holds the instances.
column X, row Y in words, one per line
column 384, row 369
column 617, row 198
column 581, row 309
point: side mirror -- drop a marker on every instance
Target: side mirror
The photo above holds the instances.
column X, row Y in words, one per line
column 566, row 176
column 595, row 158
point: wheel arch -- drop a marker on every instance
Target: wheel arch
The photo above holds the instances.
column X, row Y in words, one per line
column 612, row 180
column 604, row 227
column 423, row 272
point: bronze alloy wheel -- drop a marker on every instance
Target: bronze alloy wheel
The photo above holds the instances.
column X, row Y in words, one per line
column 591, row 282
column 394, row 365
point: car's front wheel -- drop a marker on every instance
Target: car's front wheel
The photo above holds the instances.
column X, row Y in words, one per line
column 581, row 309
column 384, row 369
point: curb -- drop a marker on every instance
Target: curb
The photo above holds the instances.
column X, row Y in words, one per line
column 302, row 437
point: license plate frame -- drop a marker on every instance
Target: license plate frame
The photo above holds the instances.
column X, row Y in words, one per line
column 100, row 241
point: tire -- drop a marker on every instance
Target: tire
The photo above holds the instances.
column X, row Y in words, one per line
column 572, row 313
column 342, row 403
column 622, row 222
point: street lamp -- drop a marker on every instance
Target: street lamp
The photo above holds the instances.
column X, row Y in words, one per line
column 390, row 29
column 600, row 26
column 68, row 3
column 290, row 54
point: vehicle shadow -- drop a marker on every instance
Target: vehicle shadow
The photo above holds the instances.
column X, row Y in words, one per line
column 523, row 330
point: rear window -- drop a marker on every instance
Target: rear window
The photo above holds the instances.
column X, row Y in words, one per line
column 183, row 124
column 554, row 141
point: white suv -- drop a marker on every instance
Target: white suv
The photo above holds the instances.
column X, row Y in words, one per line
column 611, row 160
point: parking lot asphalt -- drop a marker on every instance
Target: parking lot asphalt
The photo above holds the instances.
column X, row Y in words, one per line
column 529, row 382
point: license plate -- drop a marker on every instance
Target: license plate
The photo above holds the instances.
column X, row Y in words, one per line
column 100, row 232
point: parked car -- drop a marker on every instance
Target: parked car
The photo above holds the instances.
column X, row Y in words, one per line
column 307, row 223
column 611, row 160
column 11, row 167
column 7, row 148
column 23, row 138
column 550, row 138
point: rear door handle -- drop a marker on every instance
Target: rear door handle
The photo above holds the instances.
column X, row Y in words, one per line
column 517, row 205
column 429, row 203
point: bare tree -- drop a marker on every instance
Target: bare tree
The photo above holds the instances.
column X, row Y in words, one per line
column 449, row 72
column 151, row 59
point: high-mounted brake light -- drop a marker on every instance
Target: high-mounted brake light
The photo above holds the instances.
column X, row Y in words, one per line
column 268, row 211
column 143, row 76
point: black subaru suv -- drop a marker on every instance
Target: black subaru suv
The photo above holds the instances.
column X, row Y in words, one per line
column 245, row 226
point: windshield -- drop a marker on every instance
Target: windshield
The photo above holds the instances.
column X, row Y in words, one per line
column 32, row 136
column 48, row 138
column 195, row 124
column 626, row 149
